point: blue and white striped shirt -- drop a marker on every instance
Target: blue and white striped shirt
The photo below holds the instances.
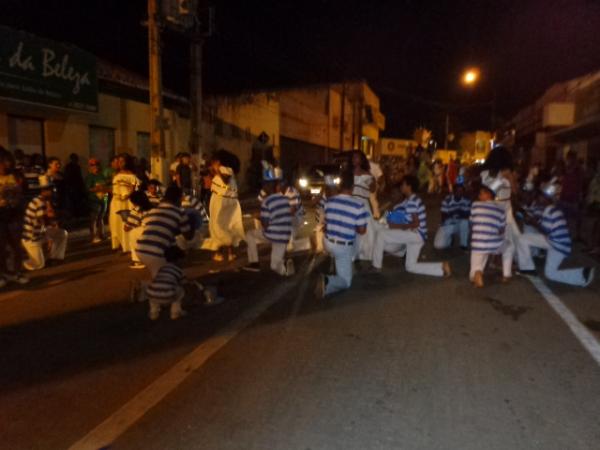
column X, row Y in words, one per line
column 295, row 200
column 555, row 226
column 135, row 217
column 535, row 211
column 165, row 284
column 414, row 205
column 161, row 226
column 33, row 223
column 454, row 208
column 343, row 214
column 154, row 199
column 276, row 216
column 488, row 223
column 190, row 202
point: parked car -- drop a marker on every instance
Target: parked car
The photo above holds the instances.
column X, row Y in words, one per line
column 312, row 181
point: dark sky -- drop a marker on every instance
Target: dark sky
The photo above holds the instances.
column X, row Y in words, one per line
column 410, row 51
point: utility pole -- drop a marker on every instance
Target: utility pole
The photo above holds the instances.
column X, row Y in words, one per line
column 196, row 141
column 447, row 130
column 157, row 122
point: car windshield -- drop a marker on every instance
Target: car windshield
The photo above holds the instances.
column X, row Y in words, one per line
column 322, row 170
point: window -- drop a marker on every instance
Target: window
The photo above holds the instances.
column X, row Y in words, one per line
column 102, row 143
column 143, row 145
column 26, row 134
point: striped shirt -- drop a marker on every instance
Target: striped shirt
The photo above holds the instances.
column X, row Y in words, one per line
column 190, row 202
column 414, row 205
column 488, row 222
column 33, row 224
column 453, row 208
column 397, row 215
column 135, row 217
column 535, row 211
column 295, row 200
column 276, row 216
column 165, row 284
column 343, row 214
column 161, row 226
column 555, row 226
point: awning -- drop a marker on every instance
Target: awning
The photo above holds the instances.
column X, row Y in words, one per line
column 585, row 129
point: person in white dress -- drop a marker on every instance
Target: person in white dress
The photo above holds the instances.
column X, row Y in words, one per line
column 364, row 185
column 124, row 183
column 225, row 226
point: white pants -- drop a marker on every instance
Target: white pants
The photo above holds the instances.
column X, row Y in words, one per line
column 133, row 235
column 446, row 232
column 392, row 240
column 35, row 250
column 343, row 256
column 152, row 263
column 479, row 260
column 255, row 237
column 554, row 259
column 374, row 204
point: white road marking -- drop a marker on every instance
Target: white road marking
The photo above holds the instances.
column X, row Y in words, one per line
column 587, row 339
column 119, row 422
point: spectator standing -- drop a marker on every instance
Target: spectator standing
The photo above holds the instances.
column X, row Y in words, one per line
column 10, row 201
column 74, row 187
column 183, row 174
column 97, row 191
column 55, row 176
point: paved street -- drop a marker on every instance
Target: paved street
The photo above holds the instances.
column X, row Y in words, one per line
column 398, row 362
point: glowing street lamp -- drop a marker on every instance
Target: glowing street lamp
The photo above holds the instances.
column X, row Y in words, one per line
column 470, row 77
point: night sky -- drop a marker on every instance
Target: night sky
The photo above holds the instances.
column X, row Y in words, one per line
column 410, row 51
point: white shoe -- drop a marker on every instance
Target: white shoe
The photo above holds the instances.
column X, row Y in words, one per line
column 289, row 267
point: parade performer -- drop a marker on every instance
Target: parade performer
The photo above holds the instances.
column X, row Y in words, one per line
column 328, row 191
column 153, row 191
column 276, row 229
column 364, row 185
column 167, row 287
column 133, row 224
column 124, row 183
column 39, row 228
column 298, row 211
column 552, row 234
column 411, row 232
column 97, row 188
column 161, row 227
column 455, row 209
column 226, row 227
column 488, row 233
column 346, row 218
column 199, row 220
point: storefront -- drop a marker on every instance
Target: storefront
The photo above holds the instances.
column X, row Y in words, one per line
column 56, row 99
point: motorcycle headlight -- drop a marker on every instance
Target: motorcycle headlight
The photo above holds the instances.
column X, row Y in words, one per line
column 303, row 182
column 337, row 180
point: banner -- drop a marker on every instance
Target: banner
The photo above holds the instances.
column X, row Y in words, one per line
column 46, row 72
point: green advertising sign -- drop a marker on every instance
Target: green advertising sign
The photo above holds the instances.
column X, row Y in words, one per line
column 42, row 71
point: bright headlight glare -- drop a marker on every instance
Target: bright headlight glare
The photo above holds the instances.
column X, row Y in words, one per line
column 337, row 180
column 303, row 182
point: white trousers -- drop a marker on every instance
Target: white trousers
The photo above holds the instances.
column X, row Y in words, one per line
column 255, row 237
column 374, row 204
column 391, row 241
column 35, row 250
column 554, row 259
column 446, row 232
column 133, row 235
column 343, row 256
column 479, row 260
column 152, row 263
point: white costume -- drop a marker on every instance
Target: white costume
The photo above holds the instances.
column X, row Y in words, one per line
column 123, row 185
column 225, row 226
column 364, row 243
column 377, row 174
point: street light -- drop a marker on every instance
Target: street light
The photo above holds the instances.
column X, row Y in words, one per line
column 470, row 76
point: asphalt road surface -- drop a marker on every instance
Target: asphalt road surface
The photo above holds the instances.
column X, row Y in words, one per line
column 400, row 361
